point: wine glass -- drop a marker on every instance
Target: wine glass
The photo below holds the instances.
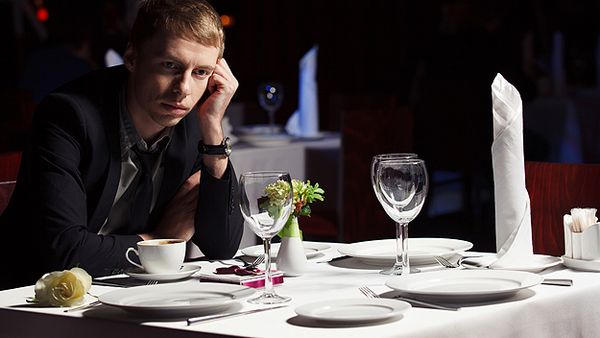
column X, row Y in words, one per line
column 270, row 98
column 390, row 156
column 266, row 203
column 401, row 187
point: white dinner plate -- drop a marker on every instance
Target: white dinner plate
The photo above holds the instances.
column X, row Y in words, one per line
column 184, row 272
column 357, row 310
column 420, row 250
column 311, row 249
column 535, row 263
column 266, row 140
column 464, row 285
column 581, row 264
column 176, row 299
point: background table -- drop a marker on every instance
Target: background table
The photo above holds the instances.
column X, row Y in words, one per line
column 315, row 159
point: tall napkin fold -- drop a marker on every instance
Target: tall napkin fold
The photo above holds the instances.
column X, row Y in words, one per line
column 513, row 213
column 305, row 120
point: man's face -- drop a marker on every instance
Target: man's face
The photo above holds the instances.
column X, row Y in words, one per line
column 168, row 77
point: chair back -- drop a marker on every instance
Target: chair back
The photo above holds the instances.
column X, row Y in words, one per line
column 6, row 190
column 554, row 189
column 9, row 169
column 370, row 126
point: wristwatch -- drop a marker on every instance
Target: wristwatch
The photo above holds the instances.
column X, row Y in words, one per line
column 219, row 149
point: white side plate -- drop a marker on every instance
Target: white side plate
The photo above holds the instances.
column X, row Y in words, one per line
column 353, row 310
column 580, row 264
column 311, row 249
column 535, row 263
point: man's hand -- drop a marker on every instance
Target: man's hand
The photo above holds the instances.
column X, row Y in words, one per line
column 221, row 86
column 178, row 218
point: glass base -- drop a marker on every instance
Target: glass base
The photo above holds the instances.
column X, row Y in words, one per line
column 269, row 298
column 397, row 271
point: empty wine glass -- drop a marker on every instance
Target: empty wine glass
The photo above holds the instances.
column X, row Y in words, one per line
column 389, row 156
column 270, row 98
column 401, row 187
column 266, row 203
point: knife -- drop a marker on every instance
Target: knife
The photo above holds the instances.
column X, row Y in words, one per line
column 430, row 305
column 195, row 320
column 558, row 281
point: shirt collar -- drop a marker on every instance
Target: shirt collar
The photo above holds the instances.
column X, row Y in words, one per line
column 129, row 135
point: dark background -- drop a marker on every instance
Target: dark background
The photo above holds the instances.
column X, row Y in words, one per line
column 417, row 71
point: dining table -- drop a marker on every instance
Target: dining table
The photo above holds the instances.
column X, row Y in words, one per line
column 537, row 311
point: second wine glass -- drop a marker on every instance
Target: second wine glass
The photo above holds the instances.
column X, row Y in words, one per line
column 266, row 204
column 270, row 98
column 401, row 187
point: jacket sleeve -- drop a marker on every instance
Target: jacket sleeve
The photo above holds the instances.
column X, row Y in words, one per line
column 58, row 194
column 219, row 223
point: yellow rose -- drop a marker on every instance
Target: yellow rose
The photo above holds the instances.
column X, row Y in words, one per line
column 63, row 288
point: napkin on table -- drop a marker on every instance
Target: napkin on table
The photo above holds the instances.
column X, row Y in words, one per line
column 513, row 214
column 305, row 121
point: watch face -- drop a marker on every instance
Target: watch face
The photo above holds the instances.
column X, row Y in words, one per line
column 227, row 146
column 222, row 149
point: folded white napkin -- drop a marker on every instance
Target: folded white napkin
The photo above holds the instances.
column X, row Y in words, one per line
column 112, row 58
column 305, row 120
column 513, row 214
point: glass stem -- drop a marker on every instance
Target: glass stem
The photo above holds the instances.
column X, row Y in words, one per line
column 402, row 248
column 268, row 277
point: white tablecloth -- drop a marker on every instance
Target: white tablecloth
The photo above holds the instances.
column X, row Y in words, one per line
column 541, row 311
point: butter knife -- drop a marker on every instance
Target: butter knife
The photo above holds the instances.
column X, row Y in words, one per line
column 200, row 319
column 83, row 307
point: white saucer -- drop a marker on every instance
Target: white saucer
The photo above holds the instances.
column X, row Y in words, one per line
column 184, row 272
column 352, row 310
column 536, row 263
column 581, row 264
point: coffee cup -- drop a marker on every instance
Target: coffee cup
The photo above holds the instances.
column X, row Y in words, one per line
column 159, row 255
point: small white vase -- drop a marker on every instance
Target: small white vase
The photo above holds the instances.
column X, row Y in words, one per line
column 291, row 258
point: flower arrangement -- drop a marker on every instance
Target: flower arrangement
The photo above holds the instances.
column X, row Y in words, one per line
column 304, row 194
column 63, row 288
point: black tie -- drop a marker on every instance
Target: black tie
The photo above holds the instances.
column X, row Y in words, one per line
column 143, row 192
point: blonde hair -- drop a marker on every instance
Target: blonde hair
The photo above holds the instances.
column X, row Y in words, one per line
column 194, row 20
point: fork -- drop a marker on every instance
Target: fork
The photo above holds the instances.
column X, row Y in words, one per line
column 257, row 261
column 446, row 263
column 547, row 281
column 371, row 294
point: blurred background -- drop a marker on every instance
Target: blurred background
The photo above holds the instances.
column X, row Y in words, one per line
column 393, row 76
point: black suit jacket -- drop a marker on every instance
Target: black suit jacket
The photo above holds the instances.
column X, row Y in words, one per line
column 69, row 176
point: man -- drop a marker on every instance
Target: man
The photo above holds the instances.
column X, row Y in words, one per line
column 129, row 153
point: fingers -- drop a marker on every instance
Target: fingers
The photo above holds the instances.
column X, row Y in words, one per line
column 223, row 79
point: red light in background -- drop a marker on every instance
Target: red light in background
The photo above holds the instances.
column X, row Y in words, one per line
column 227, row 21
column 42, row 14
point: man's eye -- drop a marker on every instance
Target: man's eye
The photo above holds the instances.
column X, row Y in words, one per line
column 201, row 72
column 169, row 65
